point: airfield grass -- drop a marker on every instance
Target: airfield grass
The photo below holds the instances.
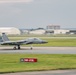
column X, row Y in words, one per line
column 43, row 35
column 10, row 63
column 52, row 42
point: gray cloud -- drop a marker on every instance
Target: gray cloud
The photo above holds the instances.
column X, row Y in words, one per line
column 15, row 1
column 38, row 13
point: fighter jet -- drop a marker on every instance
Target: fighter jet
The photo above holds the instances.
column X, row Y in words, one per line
column 5, row 41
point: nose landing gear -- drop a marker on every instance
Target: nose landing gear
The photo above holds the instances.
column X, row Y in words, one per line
column 31, row 47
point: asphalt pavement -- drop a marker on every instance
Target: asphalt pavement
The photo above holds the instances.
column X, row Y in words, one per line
column 57, row 72
column 40, row 50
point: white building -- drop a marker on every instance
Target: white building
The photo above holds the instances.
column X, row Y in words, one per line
column 60, row 31
column 10, row 30
column 40, row 31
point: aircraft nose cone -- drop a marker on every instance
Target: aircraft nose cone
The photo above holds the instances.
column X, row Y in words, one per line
column 44, row 42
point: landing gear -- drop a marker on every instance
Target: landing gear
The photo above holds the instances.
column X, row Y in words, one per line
column 17, row 46
column 31, row 47
column 14, row 47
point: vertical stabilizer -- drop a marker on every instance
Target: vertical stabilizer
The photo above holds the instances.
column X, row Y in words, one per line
column 4, row 37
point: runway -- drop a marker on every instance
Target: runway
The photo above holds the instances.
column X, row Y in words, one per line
column 40, row 50
column 57, row 72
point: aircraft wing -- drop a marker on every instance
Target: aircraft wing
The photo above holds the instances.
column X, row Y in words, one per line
column 9, row 43
column 16, row 42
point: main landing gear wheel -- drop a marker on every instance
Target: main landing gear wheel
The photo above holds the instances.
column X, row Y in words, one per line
column 14, row 48
column 19, row 47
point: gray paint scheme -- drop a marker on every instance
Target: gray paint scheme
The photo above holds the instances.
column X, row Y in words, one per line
column 6, row 41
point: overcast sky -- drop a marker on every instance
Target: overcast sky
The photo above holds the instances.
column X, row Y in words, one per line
column 37, row 13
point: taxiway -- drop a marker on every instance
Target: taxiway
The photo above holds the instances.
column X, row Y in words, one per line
column 40, row 50
column 57, row 72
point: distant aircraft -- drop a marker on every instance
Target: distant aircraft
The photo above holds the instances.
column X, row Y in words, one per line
column 5, row 41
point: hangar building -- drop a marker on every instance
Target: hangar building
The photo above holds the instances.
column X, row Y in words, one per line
column 40, row 31
column 10, row 30
column 60, row 31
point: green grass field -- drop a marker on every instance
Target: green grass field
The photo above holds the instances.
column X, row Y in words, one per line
column 10, row 63
column 43, row 35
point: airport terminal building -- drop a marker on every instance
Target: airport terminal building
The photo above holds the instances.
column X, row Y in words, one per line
column 10, row 30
